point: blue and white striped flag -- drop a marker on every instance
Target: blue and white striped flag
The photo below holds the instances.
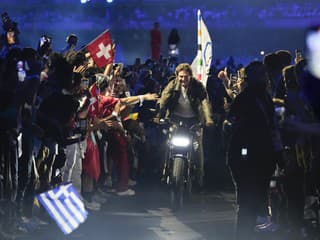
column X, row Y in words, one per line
column 65, row 206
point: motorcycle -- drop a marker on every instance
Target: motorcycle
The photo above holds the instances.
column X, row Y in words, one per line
column 180, row 167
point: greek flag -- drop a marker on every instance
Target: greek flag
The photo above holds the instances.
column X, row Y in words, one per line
column 64, row 205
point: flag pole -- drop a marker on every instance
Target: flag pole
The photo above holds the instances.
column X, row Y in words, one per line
column 199, row 64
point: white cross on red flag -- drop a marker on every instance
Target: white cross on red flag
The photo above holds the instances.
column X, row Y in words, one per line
column 101, row 49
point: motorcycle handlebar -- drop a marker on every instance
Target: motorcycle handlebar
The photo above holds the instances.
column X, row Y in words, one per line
column 169, row 122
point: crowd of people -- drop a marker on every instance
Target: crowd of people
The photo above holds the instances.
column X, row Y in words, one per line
column 63, row 119
column 267, row 102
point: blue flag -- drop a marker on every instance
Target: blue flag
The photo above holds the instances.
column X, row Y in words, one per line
column 65, row 206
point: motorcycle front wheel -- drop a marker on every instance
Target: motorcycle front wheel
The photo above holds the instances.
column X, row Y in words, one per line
column 177, row 183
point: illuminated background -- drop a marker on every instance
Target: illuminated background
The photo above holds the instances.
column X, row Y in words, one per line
column 240, row 28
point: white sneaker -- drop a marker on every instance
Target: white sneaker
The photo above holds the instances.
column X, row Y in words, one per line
column 128, row 192
column 94, row 206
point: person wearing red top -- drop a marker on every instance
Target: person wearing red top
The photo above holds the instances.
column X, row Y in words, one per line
column 107, row 109
column 155, row 35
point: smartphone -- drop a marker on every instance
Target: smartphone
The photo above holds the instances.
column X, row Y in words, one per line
column 233, row 77
column 312, row 42
column 244, row 153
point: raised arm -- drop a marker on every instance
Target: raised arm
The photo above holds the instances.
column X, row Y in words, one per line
column 140, row 98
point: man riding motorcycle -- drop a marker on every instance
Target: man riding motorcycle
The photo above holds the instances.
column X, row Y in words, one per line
column 185, row 99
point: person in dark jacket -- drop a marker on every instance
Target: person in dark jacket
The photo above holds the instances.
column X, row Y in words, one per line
column 253, row 144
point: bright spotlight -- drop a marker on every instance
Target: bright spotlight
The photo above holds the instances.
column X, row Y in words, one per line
column 262, row 53
column 109, row 1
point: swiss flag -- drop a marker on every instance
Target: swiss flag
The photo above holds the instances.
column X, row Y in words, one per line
column 101, row 49
column 94, row 104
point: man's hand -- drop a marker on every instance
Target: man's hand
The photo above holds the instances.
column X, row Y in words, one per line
column 88, row 55
column 223, row 75
column 209, row 123
column 81, row 69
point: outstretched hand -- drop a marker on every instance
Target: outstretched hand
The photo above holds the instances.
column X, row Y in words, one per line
column 150, row 97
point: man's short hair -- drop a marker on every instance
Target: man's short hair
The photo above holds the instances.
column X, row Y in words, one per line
column 184, row 67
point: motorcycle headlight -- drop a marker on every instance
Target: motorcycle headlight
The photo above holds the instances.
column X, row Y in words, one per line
column 180, row 141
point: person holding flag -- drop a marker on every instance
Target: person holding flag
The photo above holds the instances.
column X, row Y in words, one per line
column 186, row 99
